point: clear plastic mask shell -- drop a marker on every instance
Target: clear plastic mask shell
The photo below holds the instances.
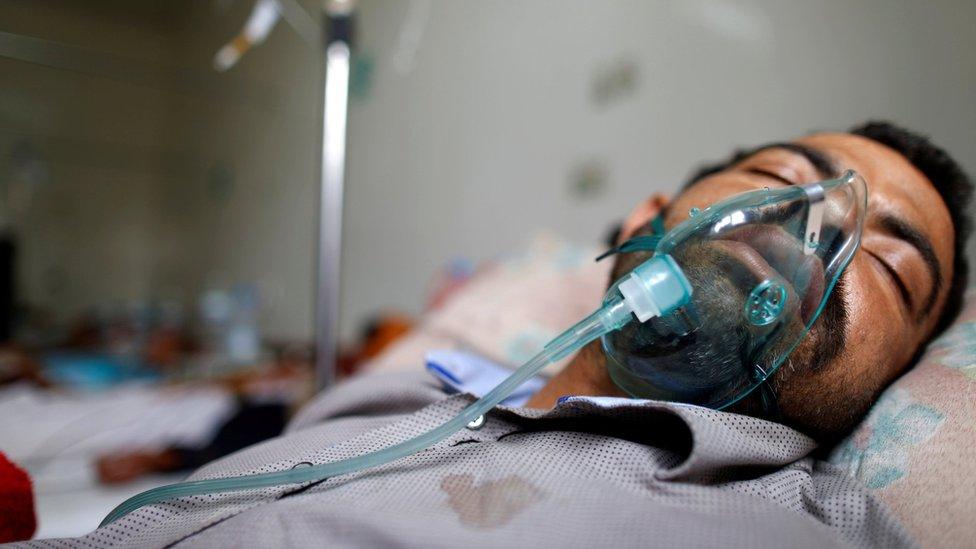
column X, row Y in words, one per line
column 762, row 266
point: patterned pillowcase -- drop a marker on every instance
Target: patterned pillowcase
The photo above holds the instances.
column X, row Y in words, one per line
column 915, row 449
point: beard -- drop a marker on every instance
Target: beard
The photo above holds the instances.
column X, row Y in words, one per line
column 805, row 385
column 725, row 355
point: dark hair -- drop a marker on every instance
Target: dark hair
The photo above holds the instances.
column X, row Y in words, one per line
column 945, row 174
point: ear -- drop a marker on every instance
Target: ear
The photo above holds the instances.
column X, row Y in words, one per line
column 642, row 215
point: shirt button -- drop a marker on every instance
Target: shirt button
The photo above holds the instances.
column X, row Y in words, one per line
column 477, row 423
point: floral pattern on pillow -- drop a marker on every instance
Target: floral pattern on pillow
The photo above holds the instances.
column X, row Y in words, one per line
column 879, row 452
column 957, row 349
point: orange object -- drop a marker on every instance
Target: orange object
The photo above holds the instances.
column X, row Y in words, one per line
column 379, row 335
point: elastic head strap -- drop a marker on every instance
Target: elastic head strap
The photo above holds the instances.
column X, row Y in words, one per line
column 643, row 243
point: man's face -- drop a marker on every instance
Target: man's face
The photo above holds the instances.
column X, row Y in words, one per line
column 891, row 295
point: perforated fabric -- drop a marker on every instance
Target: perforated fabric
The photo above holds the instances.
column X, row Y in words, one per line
column 591, row 472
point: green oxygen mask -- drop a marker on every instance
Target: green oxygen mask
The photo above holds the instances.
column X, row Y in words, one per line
column 761, row 266
column 709, row 312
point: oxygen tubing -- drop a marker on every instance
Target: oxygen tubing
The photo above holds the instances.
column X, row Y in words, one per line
column 612, row 316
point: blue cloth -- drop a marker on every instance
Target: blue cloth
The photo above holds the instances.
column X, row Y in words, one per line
column 466, row 372
column 92, row 371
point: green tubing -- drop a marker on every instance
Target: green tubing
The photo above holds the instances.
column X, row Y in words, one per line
column 606, row 319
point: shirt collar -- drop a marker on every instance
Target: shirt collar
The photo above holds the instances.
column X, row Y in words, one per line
column 709, row 440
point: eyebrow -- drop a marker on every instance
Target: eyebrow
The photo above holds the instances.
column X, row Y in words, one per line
column 823, row 163
column 902, row 230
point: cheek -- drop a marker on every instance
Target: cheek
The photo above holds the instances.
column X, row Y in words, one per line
column 834, row 398
column 864, row 363
column 874, row 341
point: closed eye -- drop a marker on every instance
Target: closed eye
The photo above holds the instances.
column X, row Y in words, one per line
column 906, row 296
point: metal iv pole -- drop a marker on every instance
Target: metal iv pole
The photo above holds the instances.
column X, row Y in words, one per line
column 338, row 39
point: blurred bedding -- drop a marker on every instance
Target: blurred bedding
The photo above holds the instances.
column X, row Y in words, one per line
column 510, row 308
column 56, row 436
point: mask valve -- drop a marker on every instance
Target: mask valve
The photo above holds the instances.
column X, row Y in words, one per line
column 766, row 303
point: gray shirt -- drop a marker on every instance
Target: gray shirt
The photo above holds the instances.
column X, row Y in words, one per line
column 590, row 472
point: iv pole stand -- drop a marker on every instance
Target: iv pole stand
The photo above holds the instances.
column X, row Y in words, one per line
column 338, row 39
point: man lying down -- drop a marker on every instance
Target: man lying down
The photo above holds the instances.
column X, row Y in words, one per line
column 577, row 462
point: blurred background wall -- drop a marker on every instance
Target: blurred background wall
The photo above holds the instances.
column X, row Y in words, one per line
column 473, row 125
column 80, row 160
column 158, row 177
column 512, row 117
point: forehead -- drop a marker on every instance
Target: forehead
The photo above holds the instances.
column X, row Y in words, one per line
column 895, row 186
